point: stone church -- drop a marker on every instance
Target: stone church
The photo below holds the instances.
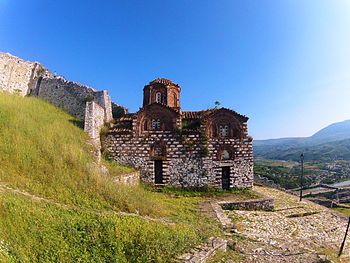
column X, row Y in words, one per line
column 207, row 148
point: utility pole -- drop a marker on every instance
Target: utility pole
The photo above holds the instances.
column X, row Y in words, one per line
column 343, row 243
column 301, row 176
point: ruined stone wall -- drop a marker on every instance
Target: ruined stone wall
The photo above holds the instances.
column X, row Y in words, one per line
column 104, row 100
column 185, row 163
column 17, row 75
column 65, row 94
column 94, row 120
column 128, row 179
column 91, row 106
column 31, row 78
column 72, row 96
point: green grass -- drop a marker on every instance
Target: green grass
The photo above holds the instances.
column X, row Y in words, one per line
column 43, row 154
column 41, row 232
column 343, row 210
column 224, row 256
column 240, row 194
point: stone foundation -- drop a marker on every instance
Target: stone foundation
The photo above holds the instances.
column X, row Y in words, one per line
column 182, row 167
column 265, row 204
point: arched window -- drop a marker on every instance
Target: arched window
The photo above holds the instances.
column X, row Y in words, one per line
column 223, row 131
column 175, row 100
column 155, row 124
column 159, row 97
column 145, row 125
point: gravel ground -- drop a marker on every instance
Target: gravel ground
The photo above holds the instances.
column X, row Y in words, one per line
column 294, row 232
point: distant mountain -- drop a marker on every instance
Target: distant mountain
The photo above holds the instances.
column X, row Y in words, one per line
column 332, row 142
column 334, row 132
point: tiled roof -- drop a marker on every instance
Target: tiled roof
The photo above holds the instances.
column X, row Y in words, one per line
column 163, row 81
column 245, row 118
column 121, row 130
column 203, row 113
column 123, row 123
column 194, row 114
column 160, row 104
column 127, row 117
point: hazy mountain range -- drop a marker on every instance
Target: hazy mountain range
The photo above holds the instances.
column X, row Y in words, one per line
column 332, row 142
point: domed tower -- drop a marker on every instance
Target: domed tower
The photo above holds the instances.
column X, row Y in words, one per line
column 162, row 91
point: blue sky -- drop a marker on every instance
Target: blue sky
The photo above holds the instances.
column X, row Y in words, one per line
column 285, row 64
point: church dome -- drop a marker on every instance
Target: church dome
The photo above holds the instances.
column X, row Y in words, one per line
column 162, row 91
column 163, row 81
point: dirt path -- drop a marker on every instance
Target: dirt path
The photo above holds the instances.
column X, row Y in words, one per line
column 294, row 232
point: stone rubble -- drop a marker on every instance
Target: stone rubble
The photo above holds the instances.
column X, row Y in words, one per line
column 222, row 217
column 128, row 179
column 204, row 252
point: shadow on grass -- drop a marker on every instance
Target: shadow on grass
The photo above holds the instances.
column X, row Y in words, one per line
column 78, row 123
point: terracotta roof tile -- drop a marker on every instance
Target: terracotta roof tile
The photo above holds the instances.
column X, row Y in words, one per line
column 163, row 81
column 203, row 113
column 121, row 130
column 161, row 104
column 195, row 114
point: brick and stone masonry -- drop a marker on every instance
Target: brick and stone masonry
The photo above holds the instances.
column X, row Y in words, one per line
column 209, row 148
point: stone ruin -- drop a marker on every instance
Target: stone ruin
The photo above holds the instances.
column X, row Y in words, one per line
column 24, row 78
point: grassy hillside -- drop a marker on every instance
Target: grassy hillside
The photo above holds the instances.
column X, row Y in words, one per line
column 55, row 206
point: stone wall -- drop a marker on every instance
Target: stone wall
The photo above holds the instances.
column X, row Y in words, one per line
column 263, row 204
column 118, row 110
column 104, row 100
column 72, row 96
column 18, row 75
column 185, row 163
column 31, row 78
column 94, row 120
column 128, row 179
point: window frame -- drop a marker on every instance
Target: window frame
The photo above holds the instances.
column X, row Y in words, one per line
column 175, row 100
column 159, row 97
column 224, row 131
column 155, row 125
